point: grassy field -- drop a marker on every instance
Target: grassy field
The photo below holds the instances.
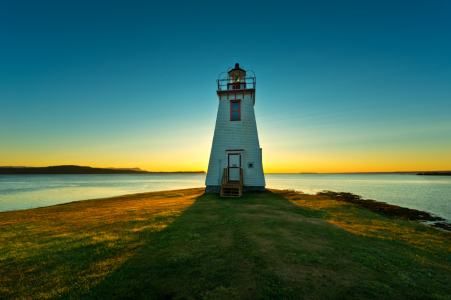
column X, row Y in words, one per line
column 186, row 245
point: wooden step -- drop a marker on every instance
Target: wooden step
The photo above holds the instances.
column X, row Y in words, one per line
column 230, row 192
column 231, row 188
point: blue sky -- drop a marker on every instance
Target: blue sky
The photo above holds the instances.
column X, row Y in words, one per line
column 342, row 86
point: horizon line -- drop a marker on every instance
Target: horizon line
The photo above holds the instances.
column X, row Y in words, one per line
column 179, row 171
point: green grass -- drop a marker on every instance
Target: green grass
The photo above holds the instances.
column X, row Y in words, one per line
column 186, row 245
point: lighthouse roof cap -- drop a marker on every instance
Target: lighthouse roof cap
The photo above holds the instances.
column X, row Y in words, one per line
column 237, row 67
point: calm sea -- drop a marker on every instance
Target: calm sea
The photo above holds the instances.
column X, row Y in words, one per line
column 427, row 193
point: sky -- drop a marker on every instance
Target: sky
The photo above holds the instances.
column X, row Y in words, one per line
column 342, row 86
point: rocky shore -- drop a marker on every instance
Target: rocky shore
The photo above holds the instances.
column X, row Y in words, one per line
column 390, row 210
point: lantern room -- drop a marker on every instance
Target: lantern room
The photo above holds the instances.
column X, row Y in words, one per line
column 236, row 79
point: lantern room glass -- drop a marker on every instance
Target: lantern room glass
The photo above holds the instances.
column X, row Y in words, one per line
column 236, row 76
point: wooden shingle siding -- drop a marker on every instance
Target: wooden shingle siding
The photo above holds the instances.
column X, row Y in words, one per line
column 233, row 135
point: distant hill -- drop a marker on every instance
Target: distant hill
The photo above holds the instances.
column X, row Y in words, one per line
column 72, row 169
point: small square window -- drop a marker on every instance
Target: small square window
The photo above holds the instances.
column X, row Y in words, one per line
column 251, row 165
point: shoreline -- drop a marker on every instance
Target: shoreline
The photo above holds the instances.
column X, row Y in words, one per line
column 391, row 210
column 380, row 207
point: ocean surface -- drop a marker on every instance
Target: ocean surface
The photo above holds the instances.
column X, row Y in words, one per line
column 427, row 193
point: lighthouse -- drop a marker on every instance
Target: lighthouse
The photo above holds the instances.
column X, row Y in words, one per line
column 235, row 164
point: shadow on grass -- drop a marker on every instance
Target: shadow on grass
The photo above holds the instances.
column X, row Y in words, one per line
column 263, row 246
column 190, row 258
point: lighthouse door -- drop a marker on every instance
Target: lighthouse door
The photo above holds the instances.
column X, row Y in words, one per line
column 234, row 167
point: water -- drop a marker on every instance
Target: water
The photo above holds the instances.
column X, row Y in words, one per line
column 30, row 191
column 427, row 193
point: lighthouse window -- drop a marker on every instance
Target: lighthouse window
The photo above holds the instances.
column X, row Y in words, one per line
column 235, row 110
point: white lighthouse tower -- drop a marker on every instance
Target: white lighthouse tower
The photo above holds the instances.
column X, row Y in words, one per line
column 235, row 164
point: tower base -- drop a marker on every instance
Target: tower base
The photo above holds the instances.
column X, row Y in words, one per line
column 217, row 189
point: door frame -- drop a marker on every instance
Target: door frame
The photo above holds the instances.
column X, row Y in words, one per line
column 229, row 167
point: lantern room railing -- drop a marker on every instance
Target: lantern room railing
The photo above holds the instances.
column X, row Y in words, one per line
column 228, row 83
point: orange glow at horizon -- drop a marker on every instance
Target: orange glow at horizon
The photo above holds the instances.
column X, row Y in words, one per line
column 188, row 149
column 195, row 158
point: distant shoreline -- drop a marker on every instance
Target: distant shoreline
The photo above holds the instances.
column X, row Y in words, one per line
column 436, row 173
column 74, row 169
column 82, row 170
